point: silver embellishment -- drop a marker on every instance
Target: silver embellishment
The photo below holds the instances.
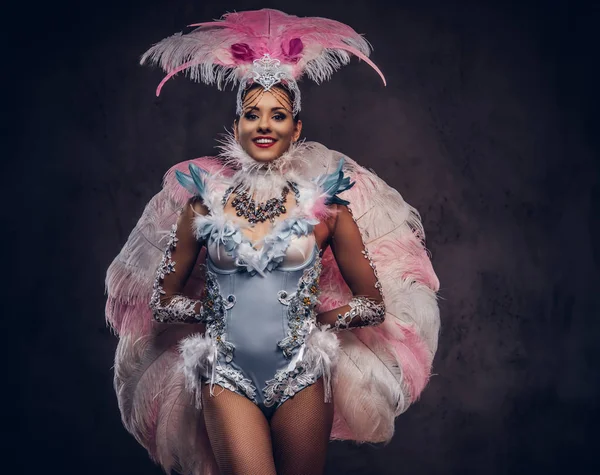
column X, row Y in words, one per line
column 255, row 212
column 365, row 253
column 301, row 308
column 226, row 195
column 268, row 72
column 233, row 380
column 369, row 311
column 229, row 302
column 214, row 309
column 284, row 297
column 286, row 384
column 179, row 309
column 213, row 312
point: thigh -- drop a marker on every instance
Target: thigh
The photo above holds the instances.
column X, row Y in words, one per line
column 238, row 432
column 300, row 430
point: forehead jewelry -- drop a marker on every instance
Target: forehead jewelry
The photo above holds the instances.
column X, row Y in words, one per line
column 268, row 72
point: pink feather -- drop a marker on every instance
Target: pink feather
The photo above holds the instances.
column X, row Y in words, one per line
column 412, row 354
column 380, row 370
column 320, row 209
column 212, row 53
column 129, row 277
column 415, row 261
column 334, row 290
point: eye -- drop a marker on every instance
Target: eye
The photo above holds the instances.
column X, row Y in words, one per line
column 279, row 117
column 250, row 116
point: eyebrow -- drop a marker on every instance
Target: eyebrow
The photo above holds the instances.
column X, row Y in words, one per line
column 254, row 108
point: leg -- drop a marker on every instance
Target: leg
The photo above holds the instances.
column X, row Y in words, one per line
column 238, row 432
column 300, row 429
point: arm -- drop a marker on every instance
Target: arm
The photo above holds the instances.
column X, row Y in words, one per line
column 366, row 307
column 167, row 302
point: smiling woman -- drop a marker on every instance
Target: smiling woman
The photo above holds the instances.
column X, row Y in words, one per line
column 267, row 126
column 307, row 294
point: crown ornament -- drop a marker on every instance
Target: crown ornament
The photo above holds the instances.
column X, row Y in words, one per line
column 267, row 71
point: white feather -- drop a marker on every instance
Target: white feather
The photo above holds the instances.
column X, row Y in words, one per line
column 198, row 355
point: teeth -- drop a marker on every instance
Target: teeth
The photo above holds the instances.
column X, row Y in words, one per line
column 265, row 140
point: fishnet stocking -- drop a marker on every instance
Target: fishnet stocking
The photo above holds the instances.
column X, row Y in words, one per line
column 300, row 429
column 238, row 432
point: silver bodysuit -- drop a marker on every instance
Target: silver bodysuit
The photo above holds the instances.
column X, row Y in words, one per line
column 262, row 340
column 265, row 319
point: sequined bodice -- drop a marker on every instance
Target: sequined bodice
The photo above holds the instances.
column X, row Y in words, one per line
column 288, row 244
column 297, row 255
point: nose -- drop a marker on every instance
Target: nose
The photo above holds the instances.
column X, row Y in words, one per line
column 263, row 124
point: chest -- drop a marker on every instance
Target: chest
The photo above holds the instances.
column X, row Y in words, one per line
column 288, row 242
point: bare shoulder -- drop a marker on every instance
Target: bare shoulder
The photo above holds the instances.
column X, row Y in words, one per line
column 341, row 215
column 338, row 214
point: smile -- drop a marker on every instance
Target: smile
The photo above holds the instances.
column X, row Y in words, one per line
column 264, row 142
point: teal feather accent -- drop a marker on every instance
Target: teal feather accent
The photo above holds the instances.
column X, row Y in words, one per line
column 195, row 182
column 334, row 183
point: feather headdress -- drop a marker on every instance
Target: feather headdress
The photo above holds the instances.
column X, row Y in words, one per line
column 266, row 46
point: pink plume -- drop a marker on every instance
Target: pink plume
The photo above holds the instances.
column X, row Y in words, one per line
column 363, row 56
column 409, row 251
column 411, row 352
column 129, row 277
column 219, row 51
column 381, row 370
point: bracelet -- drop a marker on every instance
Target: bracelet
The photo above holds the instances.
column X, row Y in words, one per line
column 368, row 311
column 180, row 309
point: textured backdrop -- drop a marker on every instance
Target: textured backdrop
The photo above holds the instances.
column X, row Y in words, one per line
column 486, row 126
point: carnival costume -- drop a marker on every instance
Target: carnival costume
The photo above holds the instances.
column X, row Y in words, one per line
column 259, row 301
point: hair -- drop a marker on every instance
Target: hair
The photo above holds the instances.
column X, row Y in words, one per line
column 279, row 86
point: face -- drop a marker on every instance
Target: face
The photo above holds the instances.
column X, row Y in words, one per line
column 266, row 128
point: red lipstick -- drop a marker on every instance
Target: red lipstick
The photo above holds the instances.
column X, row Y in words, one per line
column 264, row 141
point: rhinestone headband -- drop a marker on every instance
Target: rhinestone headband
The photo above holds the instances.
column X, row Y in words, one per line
column 268, row 72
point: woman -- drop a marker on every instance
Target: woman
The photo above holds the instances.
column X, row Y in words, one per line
column 286, row 344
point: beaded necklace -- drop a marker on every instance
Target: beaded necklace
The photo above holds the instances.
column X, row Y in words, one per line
column 254, row 212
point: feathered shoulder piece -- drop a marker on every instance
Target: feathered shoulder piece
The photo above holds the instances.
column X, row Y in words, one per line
column 266, row 46
column 207, row 178
column 195, row 182
column 334, row 183
column 380, row 370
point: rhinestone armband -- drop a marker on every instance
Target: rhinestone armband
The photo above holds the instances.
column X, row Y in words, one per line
column 180, row 309
column 369, row 311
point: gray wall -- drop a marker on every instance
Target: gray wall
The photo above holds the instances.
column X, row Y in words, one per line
column 486, row 127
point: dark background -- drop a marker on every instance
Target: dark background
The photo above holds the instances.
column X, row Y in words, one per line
column 488, row 126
